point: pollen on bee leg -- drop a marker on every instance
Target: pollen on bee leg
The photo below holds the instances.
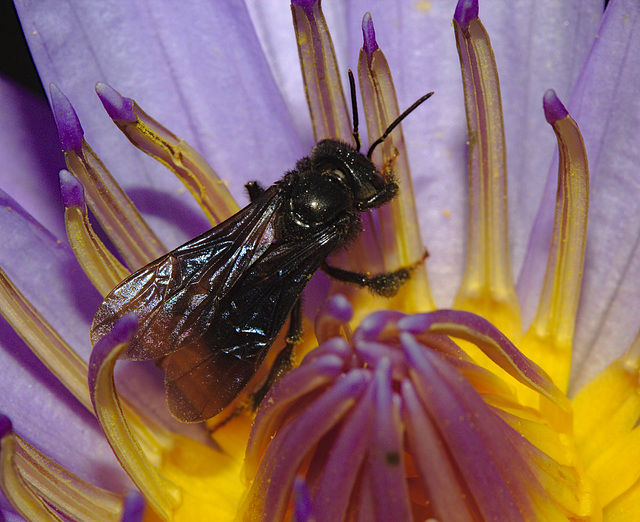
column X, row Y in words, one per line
column 549, row 339
column 399, row 227
column 100, row 266
column 176, row 154
column 38, row 487
column 113, row 209
column 487, row 283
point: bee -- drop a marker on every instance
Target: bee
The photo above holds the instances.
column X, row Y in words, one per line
column 213, row 307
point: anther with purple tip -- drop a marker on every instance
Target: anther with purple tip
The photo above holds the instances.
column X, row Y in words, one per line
column 122, row 332
column 307, row 5
column 369, row 44
column 466, row 10
column 340, row 308
column 70, row 131
column 118, row 107
column 133, row 507
column 554, row 110
column 71, row 190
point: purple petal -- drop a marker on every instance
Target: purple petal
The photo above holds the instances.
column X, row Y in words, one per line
column 198, row 68
column 31, row 156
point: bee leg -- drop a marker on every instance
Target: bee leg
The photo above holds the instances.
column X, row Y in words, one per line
column 385, row 284
column 282, row 363
column 254, row 189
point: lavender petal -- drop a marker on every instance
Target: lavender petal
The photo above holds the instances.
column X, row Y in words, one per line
column 175, row 62
column 31, row 156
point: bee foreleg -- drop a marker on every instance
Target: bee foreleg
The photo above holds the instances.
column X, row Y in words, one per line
column 254, row 189
column 385, row 284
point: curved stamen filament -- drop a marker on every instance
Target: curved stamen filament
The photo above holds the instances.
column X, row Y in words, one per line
column 101, row 267
column 160, row 493
column 549, row 339
column 321, row 77
column 44, row 341
column 112, row 207
column 399, row 227
column 176, row 154
column 488, row 283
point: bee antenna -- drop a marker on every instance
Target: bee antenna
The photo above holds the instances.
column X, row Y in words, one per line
column 397, row 121
column 354, row 110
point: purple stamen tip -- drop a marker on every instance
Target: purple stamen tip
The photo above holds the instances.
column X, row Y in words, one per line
column 69, row 129
column 71, row 189
column 415, row 323
column 466, row 10
column 554, row 110
column 133, row 507
column 340, row 308
column 5, row 425
column 118, row 107
column 369, row 44
column 305, row 4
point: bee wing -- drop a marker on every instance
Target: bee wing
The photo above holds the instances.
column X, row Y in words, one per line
column 176, row 295
column 206, row 375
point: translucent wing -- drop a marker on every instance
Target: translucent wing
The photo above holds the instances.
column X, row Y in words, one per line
column 175, row 296
column 215, row 305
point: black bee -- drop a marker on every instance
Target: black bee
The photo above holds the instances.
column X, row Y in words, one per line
column 213, row 307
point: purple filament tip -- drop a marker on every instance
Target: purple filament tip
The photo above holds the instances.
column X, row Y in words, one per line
column 71, row 189
column 554, row 110
column 340, row 308
column 118, row 107
column 69, row 129
column 133, row 507
column 466, row 10
column 369, row 36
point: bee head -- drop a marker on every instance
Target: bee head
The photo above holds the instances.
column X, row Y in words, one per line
column 369, row 188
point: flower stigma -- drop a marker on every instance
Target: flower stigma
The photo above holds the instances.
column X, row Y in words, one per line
column 398, row 409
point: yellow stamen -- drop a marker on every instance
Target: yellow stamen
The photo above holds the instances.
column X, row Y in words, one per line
column 16, row 488
column 100, row 266
column 69, row 494
column 114, row 210
column 321, row 77
column 188, row 165
column 487, row 287
column 549, row 340
column 44, row 341
column 399, row 226
column 161, row 494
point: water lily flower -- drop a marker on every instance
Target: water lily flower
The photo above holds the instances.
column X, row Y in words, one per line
column 449, row 401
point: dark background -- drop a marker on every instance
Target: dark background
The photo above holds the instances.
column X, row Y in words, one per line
column 15, row 60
